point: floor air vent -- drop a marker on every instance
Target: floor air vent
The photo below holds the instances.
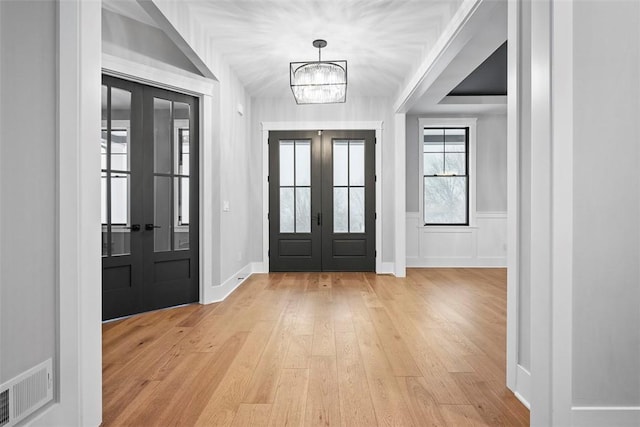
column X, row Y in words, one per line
column 24, row 394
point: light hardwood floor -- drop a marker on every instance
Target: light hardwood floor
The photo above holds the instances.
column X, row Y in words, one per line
column 319, row 349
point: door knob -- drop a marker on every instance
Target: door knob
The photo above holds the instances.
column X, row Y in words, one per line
column 150, row 227
column 134, row 227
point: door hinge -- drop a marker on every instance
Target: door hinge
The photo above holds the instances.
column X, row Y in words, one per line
column 375, row 178
column 267, row 178
column 375, row 254
column 375, row 141
column 268, row 253
column 375, row 215
column 268, row 219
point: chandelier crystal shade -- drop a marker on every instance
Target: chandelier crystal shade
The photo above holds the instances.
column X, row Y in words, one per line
column 319, row 82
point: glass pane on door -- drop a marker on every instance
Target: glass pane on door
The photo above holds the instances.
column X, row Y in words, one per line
column 162, row 113
column 181, row 170
column 116, row 171
column 162, row 214
column 172, row 169
column 181, row 233
column 295, row 186
column 348, row 186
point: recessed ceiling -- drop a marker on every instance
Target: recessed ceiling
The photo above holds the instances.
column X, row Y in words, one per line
column 383, row 41
column 489, row 79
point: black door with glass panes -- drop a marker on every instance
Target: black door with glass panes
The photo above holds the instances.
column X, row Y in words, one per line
column 322, row 201
column 149, row 198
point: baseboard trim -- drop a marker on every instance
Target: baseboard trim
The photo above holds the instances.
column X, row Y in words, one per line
column 259, row 267
column 386, row 268
column 523, row 386
column 222, row 291
column 611, row 416
column 462, row 262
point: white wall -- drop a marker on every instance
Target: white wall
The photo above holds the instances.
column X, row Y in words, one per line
column 606, row 229
column 236, row 239
column 483, row 245
column 135, row 41
column 355, row 109
column 491, row 163
column 28, row 131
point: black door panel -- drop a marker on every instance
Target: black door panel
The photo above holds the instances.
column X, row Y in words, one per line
column 150, row 198
column 322, row 201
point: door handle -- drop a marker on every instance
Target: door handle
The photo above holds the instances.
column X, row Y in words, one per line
column 134, row 227
column 150, row 227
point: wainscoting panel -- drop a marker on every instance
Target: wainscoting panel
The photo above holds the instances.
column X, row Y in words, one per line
column 482, row 245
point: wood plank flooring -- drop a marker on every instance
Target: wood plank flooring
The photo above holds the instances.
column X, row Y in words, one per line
column 319, row 349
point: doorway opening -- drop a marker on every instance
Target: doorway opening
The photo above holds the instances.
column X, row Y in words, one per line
column 322, row 214
column 149, row 164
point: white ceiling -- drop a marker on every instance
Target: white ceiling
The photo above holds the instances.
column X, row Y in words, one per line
column 382, row 40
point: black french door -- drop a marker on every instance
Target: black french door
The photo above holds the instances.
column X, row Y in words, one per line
column 149, row 198
column 322, row 201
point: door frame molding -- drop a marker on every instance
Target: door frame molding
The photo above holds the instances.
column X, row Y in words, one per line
column 205, row 90
column 376, row 126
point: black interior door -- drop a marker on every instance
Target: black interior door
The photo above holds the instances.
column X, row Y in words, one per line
column 121, row 187
column 170, row 199
column 149, row 198
column 322, row 201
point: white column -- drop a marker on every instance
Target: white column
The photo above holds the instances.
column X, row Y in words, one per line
column 400, row 216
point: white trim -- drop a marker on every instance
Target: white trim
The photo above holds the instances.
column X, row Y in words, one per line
column 451, row 262
column 208, row 231
column 542, row 398
column 221, row 292
column 471, row 123
column 523, row 386
column 513, row 183
column 492, row 215
column 561, row 334
column 437, row 55
column 387, row 268
column 470, row 36
column 171, row 78
column 259, row 267
column 475, row 247
column 377, row 126
column 400, row 184
column 79, row 353
column 598, row 416
column 323, row 125
column 474, row 100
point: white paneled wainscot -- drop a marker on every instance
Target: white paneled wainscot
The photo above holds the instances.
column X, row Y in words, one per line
column 481, row 245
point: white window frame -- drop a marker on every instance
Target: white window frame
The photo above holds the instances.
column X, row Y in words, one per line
column 443, row 123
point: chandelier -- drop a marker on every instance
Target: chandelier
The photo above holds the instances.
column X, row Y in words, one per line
column 318, row 82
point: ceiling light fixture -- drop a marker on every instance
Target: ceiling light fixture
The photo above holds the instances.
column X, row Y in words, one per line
column 318, row 82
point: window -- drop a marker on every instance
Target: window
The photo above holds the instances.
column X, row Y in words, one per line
column 445, row 169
